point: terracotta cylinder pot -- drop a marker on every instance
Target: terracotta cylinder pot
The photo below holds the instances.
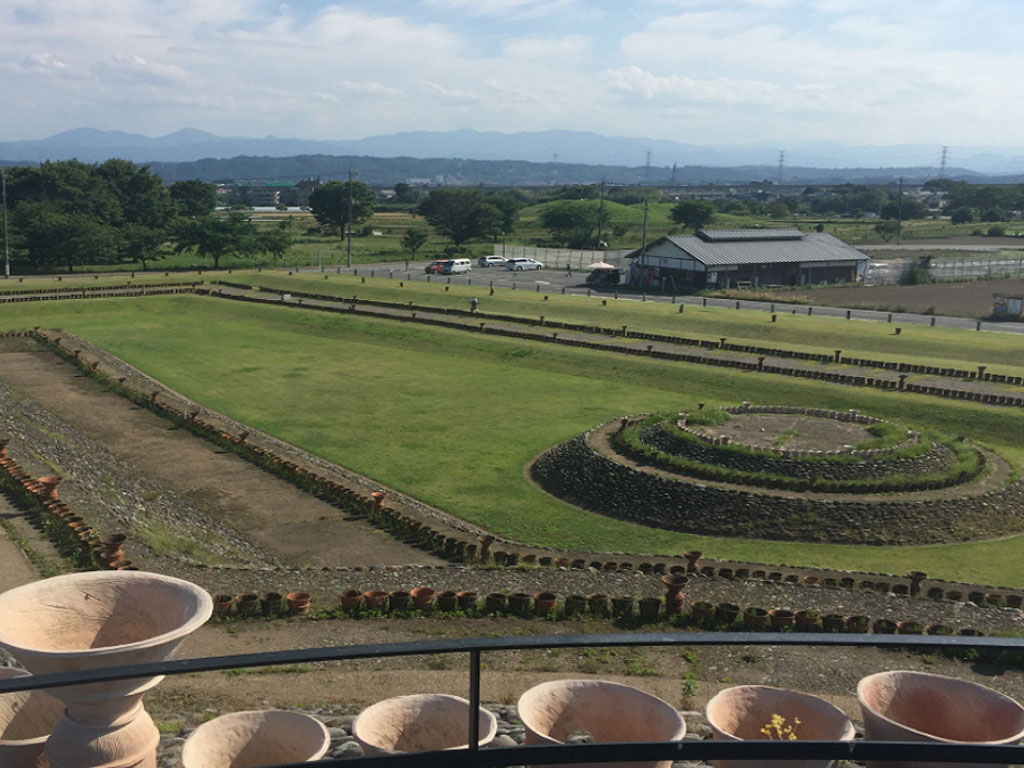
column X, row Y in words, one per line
column 376, row 599
column 466, row 600
column 351, row 599
column 298, row 603
column 100, row 619
column 420, row 722
column 739, row 713
column 250, row 739
column 917, row 706
column 553, row 711
column 422, row 597
column 26, row 719
column 447, row 600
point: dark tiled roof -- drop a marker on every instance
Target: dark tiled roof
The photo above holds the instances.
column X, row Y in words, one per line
column 813, row 246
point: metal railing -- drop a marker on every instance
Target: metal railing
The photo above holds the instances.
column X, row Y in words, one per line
column 473, row 757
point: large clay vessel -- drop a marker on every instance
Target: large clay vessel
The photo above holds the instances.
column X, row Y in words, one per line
column 420, row 722
column 917, row 706
column 553, row 711
column 739, row 713
column 94, row 620
column 250, row 739
column 26, row 719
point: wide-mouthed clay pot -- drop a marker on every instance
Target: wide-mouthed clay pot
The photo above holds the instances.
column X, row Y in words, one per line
column 739, row 713
column 93, row 620
column 552, row 712
column 420, row 722
column 26, row 719
column 251, row 739
column 917, row 706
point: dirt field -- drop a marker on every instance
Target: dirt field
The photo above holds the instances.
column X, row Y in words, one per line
column 970, row 299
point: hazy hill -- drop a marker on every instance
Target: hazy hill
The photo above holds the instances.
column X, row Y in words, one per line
column 539, row 147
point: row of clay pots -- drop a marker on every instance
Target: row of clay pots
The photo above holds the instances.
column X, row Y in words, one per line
column 896, row 706
column 551, row 712
column 809, row 620
column 269, row 604
column 42, row 500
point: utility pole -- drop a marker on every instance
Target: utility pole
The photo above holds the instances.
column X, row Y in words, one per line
column 899, row 214
column 643, row 237
column 600, row 214
column 350, row 218
column 7, row 252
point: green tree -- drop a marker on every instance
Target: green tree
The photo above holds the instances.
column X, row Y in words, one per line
column 275, row 240
column 779, row 210
column 214, row 237
column 141, row 197
column 887, row 229
column 460, row 214
column 963, row 215
column 413, row 240
column 509, row 202
column 330, row 204
column 407, row 194
column 141, row 244
column 45, row 236
column 574, row 222
column 695, row 214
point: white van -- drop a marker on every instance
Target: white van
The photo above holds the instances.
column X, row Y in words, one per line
column 455, row 266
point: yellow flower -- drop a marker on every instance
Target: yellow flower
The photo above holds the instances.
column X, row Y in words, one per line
column 777, row 728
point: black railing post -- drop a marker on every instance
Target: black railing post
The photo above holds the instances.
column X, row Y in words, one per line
column 474, row 700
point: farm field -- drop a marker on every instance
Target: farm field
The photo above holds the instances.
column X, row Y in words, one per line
column 969, row 299
column 452, row 419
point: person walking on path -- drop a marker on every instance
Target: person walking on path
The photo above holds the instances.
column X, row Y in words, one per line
column 473, row 304
column 568, row 269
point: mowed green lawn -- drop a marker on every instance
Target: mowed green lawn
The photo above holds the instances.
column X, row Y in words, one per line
column 947, row 347
column 452, row 418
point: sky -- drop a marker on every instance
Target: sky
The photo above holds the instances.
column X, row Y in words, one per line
column 942, row 72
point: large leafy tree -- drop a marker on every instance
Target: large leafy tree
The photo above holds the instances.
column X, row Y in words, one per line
column 213, row 237
column 47, row 237
column 461, row 214
column 695, row 214
column 330, row 204
column 193, row 197
column 70, row 214
column 574, row 222
column 509, row 202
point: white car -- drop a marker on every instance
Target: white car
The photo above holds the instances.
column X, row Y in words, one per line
column 491, row 261
column 518, row 265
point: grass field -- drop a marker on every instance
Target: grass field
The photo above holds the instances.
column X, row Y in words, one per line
column 916, row 343
column 452, row 418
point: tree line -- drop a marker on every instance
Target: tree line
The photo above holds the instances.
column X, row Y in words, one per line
column 68, row 214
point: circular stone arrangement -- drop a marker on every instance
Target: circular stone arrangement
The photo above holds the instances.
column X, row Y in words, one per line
column 786, row 473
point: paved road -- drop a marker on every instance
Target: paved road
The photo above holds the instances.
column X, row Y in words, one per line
column 554, row 281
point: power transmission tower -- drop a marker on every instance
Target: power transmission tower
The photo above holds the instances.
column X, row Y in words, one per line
column 782, row 162
column 673, row 181
column 942, row 163
column 647, row 167
column 600, row 214
column 554, row 170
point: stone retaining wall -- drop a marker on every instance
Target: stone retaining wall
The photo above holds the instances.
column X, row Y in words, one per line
column 575, row 473
column 934, row 462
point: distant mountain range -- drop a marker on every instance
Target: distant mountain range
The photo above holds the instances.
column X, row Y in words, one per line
column 541, row 156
